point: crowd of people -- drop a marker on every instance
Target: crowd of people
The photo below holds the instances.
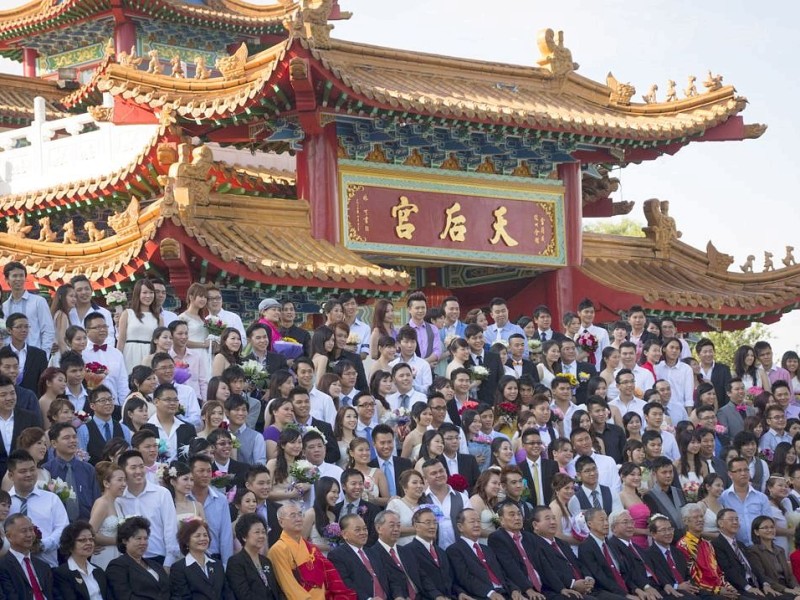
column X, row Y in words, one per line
column 146, row 454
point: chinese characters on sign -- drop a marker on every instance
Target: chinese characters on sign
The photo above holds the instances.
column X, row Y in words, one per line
column 505, row 220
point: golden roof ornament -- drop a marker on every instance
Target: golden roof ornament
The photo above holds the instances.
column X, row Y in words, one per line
column 69, row 233
column 747, row 267
column 18, row 227
column 672, row 93
column 691, row 88
column 650, row 96
column 310, row 22
column 127, row 218
column 110, row 50
column 712, row 82
column 621, row 93
column 788, row 260
column 554, row 56
column 232, row 67
column 200, row 69
column 189, row 176
column 661, row 227
column 129, row 60
column 768, row 264
column 101, row 114
column 177, row 68
column 154, row 66
column 46, row 234
column 718, row 262
column 95, row 234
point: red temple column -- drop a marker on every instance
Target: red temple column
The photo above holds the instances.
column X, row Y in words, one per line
column 29, row 56
column 124, row 35
column 317, row 175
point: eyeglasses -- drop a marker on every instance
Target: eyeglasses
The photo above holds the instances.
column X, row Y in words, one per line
column 104, row 326
column 665, row 530
column 437, row 407
column 21, row 327
column 104, row 400
column 366, row 405
column 536, row 443
column 84, row 540
column 214, row 298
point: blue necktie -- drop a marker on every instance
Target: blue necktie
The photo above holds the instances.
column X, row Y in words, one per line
column 388, row 470
column 368, row 436
column 107, row 431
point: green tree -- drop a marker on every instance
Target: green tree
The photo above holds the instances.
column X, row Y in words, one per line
column 726, row 342
column 626, row 226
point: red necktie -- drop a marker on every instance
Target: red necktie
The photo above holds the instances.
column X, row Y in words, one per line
column 98, row 347
column 614, row 570
column 672, row 568
column 377, row 590
column 647, row 569
column 37, row 591
column 575, row 572
column 492, row 577
column 533, row 576
column 412, row 594
column 434, row 556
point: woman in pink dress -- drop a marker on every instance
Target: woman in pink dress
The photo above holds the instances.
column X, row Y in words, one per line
column 631, row 476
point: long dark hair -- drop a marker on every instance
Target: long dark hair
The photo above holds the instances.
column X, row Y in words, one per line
column 684, row 439
column 234, row 358
column 375, row 385
column 318, row 339
column 321, row 489
column 426, row 440
column 181, row 469
column 156, row 334
column 288, row 435
column 379, row 316
column 739, row 367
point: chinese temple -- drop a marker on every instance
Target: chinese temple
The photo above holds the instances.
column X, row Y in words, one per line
column 220, row 141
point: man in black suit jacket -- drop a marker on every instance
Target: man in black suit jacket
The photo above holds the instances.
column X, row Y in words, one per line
column 22, row 419
column 258, row 335
column 532, row 444
column 592, row 554
column 301, row 404
column 222, row 445
column 432, row 574
column 517, row 350
column 717, row 374
column 665, row 498
column 557, row 559
column 452, row 459
column 613, row 436
column 477, row 571
column 352, row 481
column 383, row 441
column 26, row 399
column 479, row 357
column 360, row 568
column 739, row 574
column 661, row 553
column 386, row 550
column 163, row 421
column 35, row 364
column 14, row 581
column 636, row 572
column 570, row 364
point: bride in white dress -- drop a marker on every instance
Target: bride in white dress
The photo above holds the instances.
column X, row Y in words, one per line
column 487, row 490
column 105, row 517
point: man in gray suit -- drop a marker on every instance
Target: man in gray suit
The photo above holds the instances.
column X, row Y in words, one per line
column 733, row 413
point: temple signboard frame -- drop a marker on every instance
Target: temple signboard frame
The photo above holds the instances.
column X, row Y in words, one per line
column 451, row 216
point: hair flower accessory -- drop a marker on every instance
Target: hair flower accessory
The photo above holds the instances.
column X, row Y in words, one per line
column 173, row 472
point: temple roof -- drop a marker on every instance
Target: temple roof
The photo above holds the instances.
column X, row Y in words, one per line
column 16, row 99
column 670, row 277
column 411, row 83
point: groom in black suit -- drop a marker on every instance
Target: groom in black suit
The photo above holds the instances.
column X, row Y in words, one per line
column 352, row 481
column 478, row 356
column 14, row 582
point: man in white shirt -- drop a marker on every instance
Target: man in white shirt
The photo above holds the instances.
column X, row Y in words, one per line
column 449, row 501
column 44, row 508
column 163, row 423
column 626, row 402
column 653, row 419
column 407, row 340
column 314, row 451
column 561, row 390
column 152, row 502
column 348, row 375
column 164, row 368
column 405, row 396
column 161, row 297
column 84, row 306
column 231, row 319
column 677, row 411
column 195, row 358
column 544, row 322
column 608, row 474
column 627, row 359
column 356, row 325
column 586, row 315
column 98, row 351
column 42, row 332
column 322, row 406
column 670, row 330
column 502, row 327
column 365, row 407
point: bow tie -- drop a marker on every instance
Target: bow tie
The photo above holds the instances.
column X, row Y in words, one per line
column 542, row 427
column 98, row 347
column 517, row 363
column 152, row 468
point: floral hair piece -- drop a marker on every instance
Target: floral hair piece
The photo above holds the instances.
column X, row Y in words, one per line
column 173, row 472
column 658, row 516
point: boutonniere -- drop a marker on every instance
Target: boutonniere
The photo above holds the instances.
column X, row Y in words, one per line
column 265, row 569
column 210, row 569
column 362, row 510
column 79, row 581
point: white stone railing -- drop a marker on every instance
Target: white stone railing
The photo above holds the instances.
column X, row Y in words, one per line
column 48, row 153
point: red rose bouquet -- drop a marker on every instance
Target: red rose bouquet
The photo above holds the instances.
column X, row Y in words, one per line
column 458, row 482
column 588, row 343
column 507, row 409
column 94, row 374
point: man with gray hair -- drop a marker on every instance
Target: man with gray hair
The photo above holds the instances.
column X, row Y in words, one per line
column 23, row 574
column 699, row 553
column 636, row 571
column 387, row 552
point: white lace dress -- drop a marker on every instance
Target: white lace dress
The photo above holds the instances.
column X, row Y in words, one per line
column 108, row 528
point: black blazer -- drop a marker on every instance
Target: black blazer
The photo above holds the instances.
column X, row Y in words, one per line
column 274, row 527
column 658, row 564
column 548, row 468
column 190, row 583
column 372, row 511
column 22, row 420
column 528, row 368
column 127, row 580
column 734, row 571
column 398, row 578
column 244, row 581
column 35, row 364
column 66, row 586
column 470, row 572
column 355, row 575
column 14, row 582
column 606, row 498
column 632, row 569
column 654, row 499
column 582, row 392
column 563, row 565
column 430, row 579
column 452, row 412
column 721, row 469
column 467, row 467
column 400, row 465
column 238, row 470
column 720, row 378
column 185, row 434
column 614, row 440
column 488, row 386
column 332, row 452
column 595, row 564
column 513, row 565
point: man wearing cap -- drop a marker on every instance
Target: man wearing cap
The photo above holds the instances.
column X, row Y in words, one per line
column 269, row 311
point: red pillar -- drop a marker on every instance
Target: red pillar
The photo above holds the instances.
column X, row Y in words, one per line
column 317, row 176
column 124, row 35
column 29, row 56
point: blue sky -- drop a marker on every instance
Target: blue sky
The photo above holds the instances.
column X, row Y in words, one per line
column 741, row 195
